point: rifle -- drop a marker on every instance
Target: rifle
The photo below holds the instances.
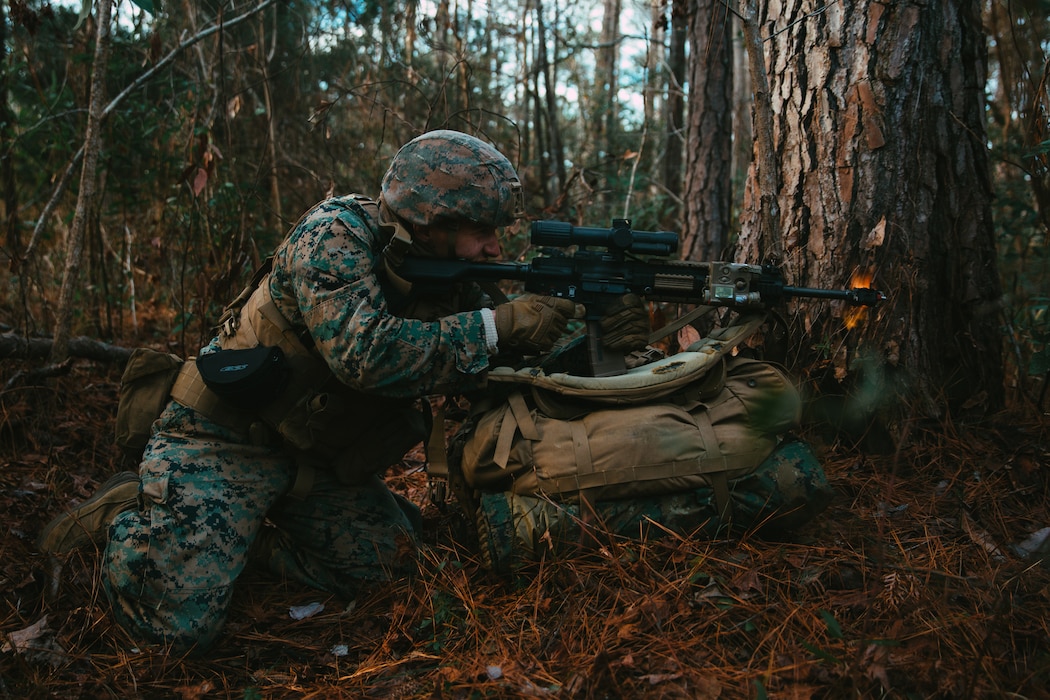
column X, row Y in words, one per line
column 594, row 278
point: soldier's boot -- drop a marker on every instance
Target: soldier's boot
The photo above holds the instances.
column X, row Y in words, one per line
column 90, row 521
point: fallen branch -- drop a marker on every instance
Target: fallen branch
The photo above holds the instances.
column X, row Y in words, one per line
column 34, row 376
column 12, row 345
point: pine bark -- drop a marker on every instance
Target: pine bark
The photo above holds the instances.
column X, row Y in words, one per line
column 880, row 139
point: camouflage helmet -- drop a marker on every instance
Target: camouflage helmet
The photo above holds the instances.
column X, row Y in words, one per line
column 448, row 175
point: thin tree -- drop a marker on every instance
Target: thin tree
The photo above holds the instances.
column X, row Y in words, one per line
column 764, row 173
column 549, row 65
column 7, row 169
column 606, row 79
column 742, row 103
column 264, row 57
column 548, row 112
column 674, row 105
column 86, row 204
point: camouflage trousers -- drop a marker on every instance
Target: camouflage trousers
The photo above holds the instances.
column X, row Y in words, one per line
column 169, row 567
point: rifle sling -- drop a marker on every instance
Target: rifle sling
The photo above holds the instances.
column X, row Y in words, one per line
column 680, row 323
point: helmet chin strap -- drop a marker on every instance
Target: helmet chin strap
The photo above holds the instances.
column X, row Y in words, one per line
column 401, row 244
column 394, row 254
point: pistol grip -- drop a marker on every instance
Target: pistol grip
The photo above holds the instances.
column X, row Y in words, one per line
column 604, row 362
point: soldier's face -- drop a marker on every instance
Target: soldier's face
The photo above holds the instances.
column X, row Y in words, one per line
column 472, row 242
column 477, row 243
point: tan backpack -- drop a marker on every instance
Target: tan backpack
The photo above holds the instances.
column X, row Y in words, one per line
column 719, row 427
column 698, row 443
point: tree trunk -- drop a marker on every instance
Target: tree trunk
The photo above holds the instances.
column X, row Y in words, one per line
column 879, row 130
column 463, row 67
column 265, row 57
column 607, row 118
column 742, row 103
column 674, row 106
column 555, row 169
column 654, row 60
column 86, row 197
column 14, row 345
column 709, row 156
column 761, row 240
column 444, row 39
column 408, row 99
column 7, row 166
column 521, row 111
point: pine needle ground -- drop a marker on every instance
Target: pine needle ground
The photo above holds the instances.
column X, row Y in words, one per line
column 916, row 583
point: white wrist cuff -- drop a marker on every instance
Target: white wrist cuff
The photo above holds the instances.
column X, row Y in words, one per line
column 491, row 336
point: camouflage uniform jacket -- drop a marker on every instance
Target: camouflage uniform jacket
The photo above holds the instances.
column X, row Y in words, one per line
column 367, row 352
column 327, row 279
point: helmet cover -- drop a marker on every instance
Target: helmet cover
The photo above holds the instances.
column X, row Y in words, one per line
column 447, row 175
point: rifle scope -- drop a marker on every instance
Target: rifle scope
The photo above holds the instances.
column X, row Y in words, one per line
column 618, row 238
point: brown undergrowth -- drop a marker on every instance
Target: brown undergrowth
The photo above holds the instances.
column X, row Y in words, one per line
column 914, row 584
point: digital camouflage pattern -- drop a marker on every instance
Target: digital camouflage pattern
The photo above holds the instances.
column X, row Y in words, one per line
column 325, row 279
column 436, row 177
column 787, row 490
column 170, row 566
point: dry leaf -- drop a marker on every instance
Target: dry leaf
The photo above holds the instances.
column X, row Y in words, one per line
column 194, row 692
column 981, row 537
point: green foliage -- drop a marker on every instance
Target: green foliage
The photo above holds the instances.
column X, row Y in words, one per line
column 1041, row 149
column 834, row 628
column 1024, row 264
column 445, row 623
column 147, row 5
column 47, row 88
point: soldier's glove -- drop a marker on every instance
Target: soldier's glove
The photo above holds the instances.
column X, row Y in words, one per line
column 531, row 324
column 625, row 325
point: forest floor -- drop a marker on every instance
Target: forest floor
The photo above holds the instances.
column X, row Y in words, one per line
column 919, row 581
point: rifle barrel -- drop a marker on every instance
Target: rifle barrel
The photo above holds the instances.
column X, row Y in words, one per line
column 853, row 297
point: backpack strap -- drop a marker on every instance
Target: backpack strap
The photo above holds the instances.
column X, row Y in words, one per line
column 517, row 419
column 231, row 315
column 437, row 459
column 446, row 474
